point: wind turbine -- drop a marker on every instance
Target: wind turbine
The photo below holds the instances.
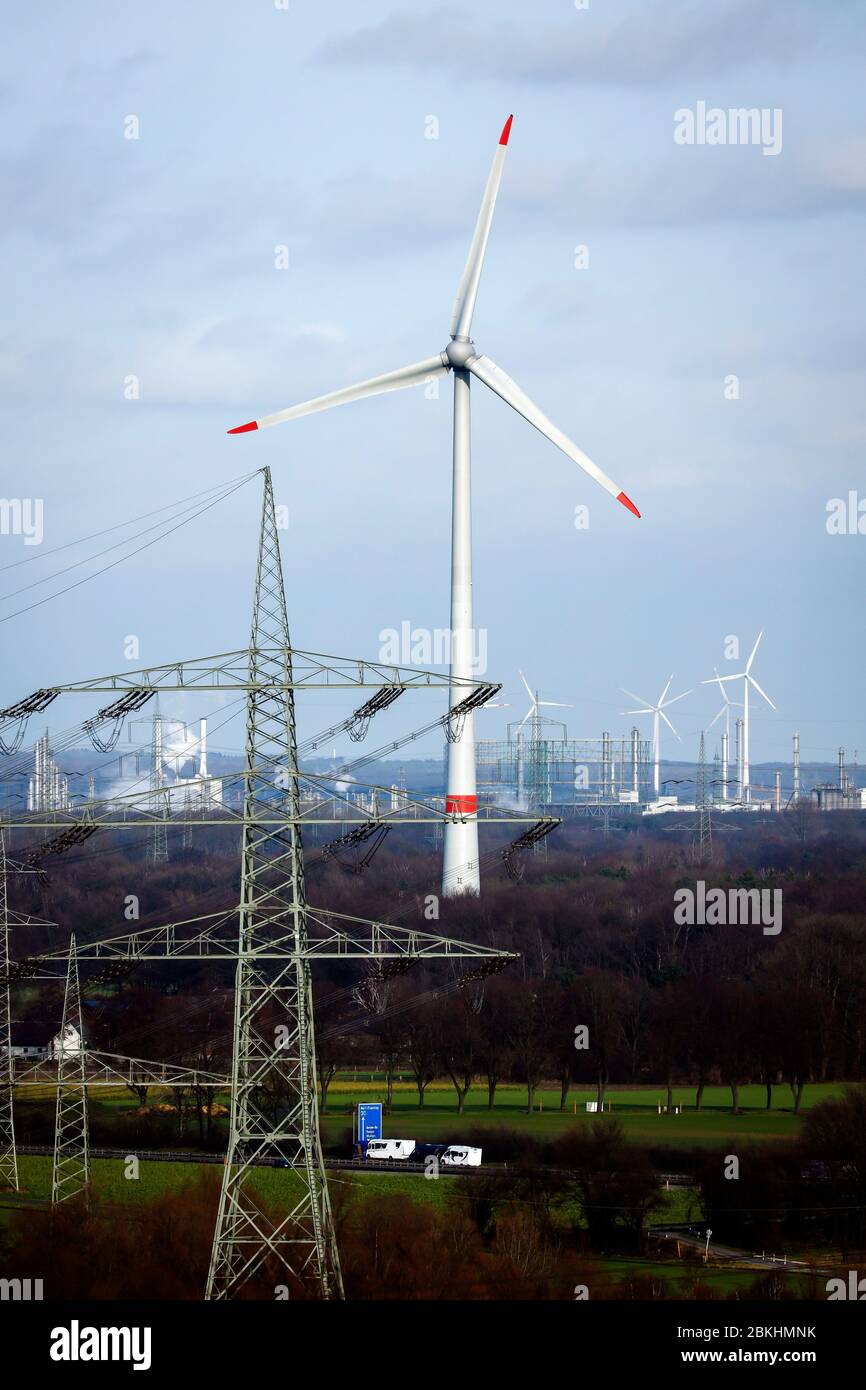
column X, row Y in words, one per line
column 538, row 794
column 657, row 711
column 748, row 679
column 535, row 705
column 727, row 706
column 460, row 871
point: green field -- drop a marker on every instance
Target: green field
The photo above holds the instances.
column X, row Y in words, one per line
column 636, row 1109
column 438, row 1120
column 109, row 1182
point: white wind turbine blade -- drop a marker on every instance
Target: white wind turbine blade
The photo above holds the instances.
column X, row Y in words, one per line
column 529, row 692
column 661, row 699
column 738, row 677
column 666, row 703
column 555, row 704
column 717, row 718
column 500, row 382
column 415, row 375
column 725, row 696
column 669, row 724
column 754, row 649
column 752, row 681
column 637, row 711
column 640, row 699
column 467, row 291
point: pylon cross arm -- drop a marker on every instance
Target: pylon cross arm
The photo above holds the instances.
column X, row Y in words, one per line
column 292, row 670
column 329, row 936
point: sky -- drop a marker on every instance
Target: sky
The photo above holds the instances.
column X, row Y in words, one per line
column 706, row 349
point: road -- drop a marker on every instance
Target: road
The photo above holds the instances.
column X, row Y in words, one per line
column 729, row 1254
column 488, row 1170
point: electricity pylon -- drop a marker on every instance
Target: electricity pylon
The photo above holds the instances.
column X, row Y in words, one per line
column 159, row 799
column 274, row 1051
column 8, row 1152
column 70, row 1173
column 702, row 845
column 277, row 936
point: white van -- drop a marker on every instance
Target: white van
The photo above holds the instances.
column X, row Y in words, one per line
column 389, row 1149
column 460, row 1156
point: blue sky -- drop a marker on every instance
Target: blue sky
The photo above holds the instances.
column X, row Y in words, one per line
column 261, row 126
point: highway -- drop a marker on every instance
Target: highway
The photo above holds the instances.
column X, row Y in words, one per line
column 351, row 1164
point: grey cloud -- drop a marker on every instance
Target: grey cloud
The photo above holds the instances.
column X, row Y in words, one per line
column 650, row 43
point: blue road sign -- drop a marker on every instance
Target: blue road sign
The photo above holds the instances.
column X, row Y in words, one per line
column 369, row 1121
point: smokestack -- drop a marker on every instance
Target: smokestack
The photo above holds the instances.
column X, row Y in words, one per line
column 635, row 754
column 777, row 796
column 843, row 776
column 521, row 771
column 202, row 754
column 724, row 767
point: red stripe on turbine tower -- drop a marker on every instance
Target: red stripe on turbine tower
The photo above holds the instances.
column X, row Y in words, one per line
column 461, row 805
column 506, row 131
column 242, row 429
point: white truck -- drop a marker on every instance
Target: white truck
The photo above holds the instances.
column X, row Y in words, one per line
column 389, row 1150
column 461, row 1156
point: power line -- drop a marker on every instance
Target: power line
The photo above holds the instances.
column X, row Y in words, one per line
column 69, row 587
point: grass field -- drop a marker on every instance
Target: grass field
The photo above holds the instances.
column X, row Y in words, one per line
column 109, row 1182
column 636, row 1109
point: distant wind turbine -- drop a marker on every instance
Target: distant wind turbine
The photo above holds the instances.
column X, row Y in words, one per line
column 657, row 711
column 537, row 795
column 535, row 705
column 748, row 680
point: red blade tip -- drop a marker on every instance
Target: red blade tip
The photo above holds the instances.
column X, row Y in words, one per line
column 242, row 429
column 627, row 502
column 506, row 131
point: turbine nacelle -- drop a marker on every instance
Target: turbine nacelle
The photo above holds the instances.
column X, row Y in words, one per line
column 459, row 353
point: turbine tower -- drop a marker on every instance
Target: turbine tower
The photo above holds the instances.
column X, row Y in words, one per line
column 657, row 711
column 748, row 680
column 460, row 868
column 727, row 705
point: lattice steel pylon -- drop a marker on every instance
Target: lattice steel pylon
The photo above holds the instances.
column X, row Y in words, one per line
column 70, row 1173
column 702, row 845
column 157, row 850
column 8, row 1151
column 274, row 1050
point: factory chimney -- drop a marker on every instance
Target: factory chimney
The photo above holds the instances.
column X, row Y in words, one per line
column 202, row 753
